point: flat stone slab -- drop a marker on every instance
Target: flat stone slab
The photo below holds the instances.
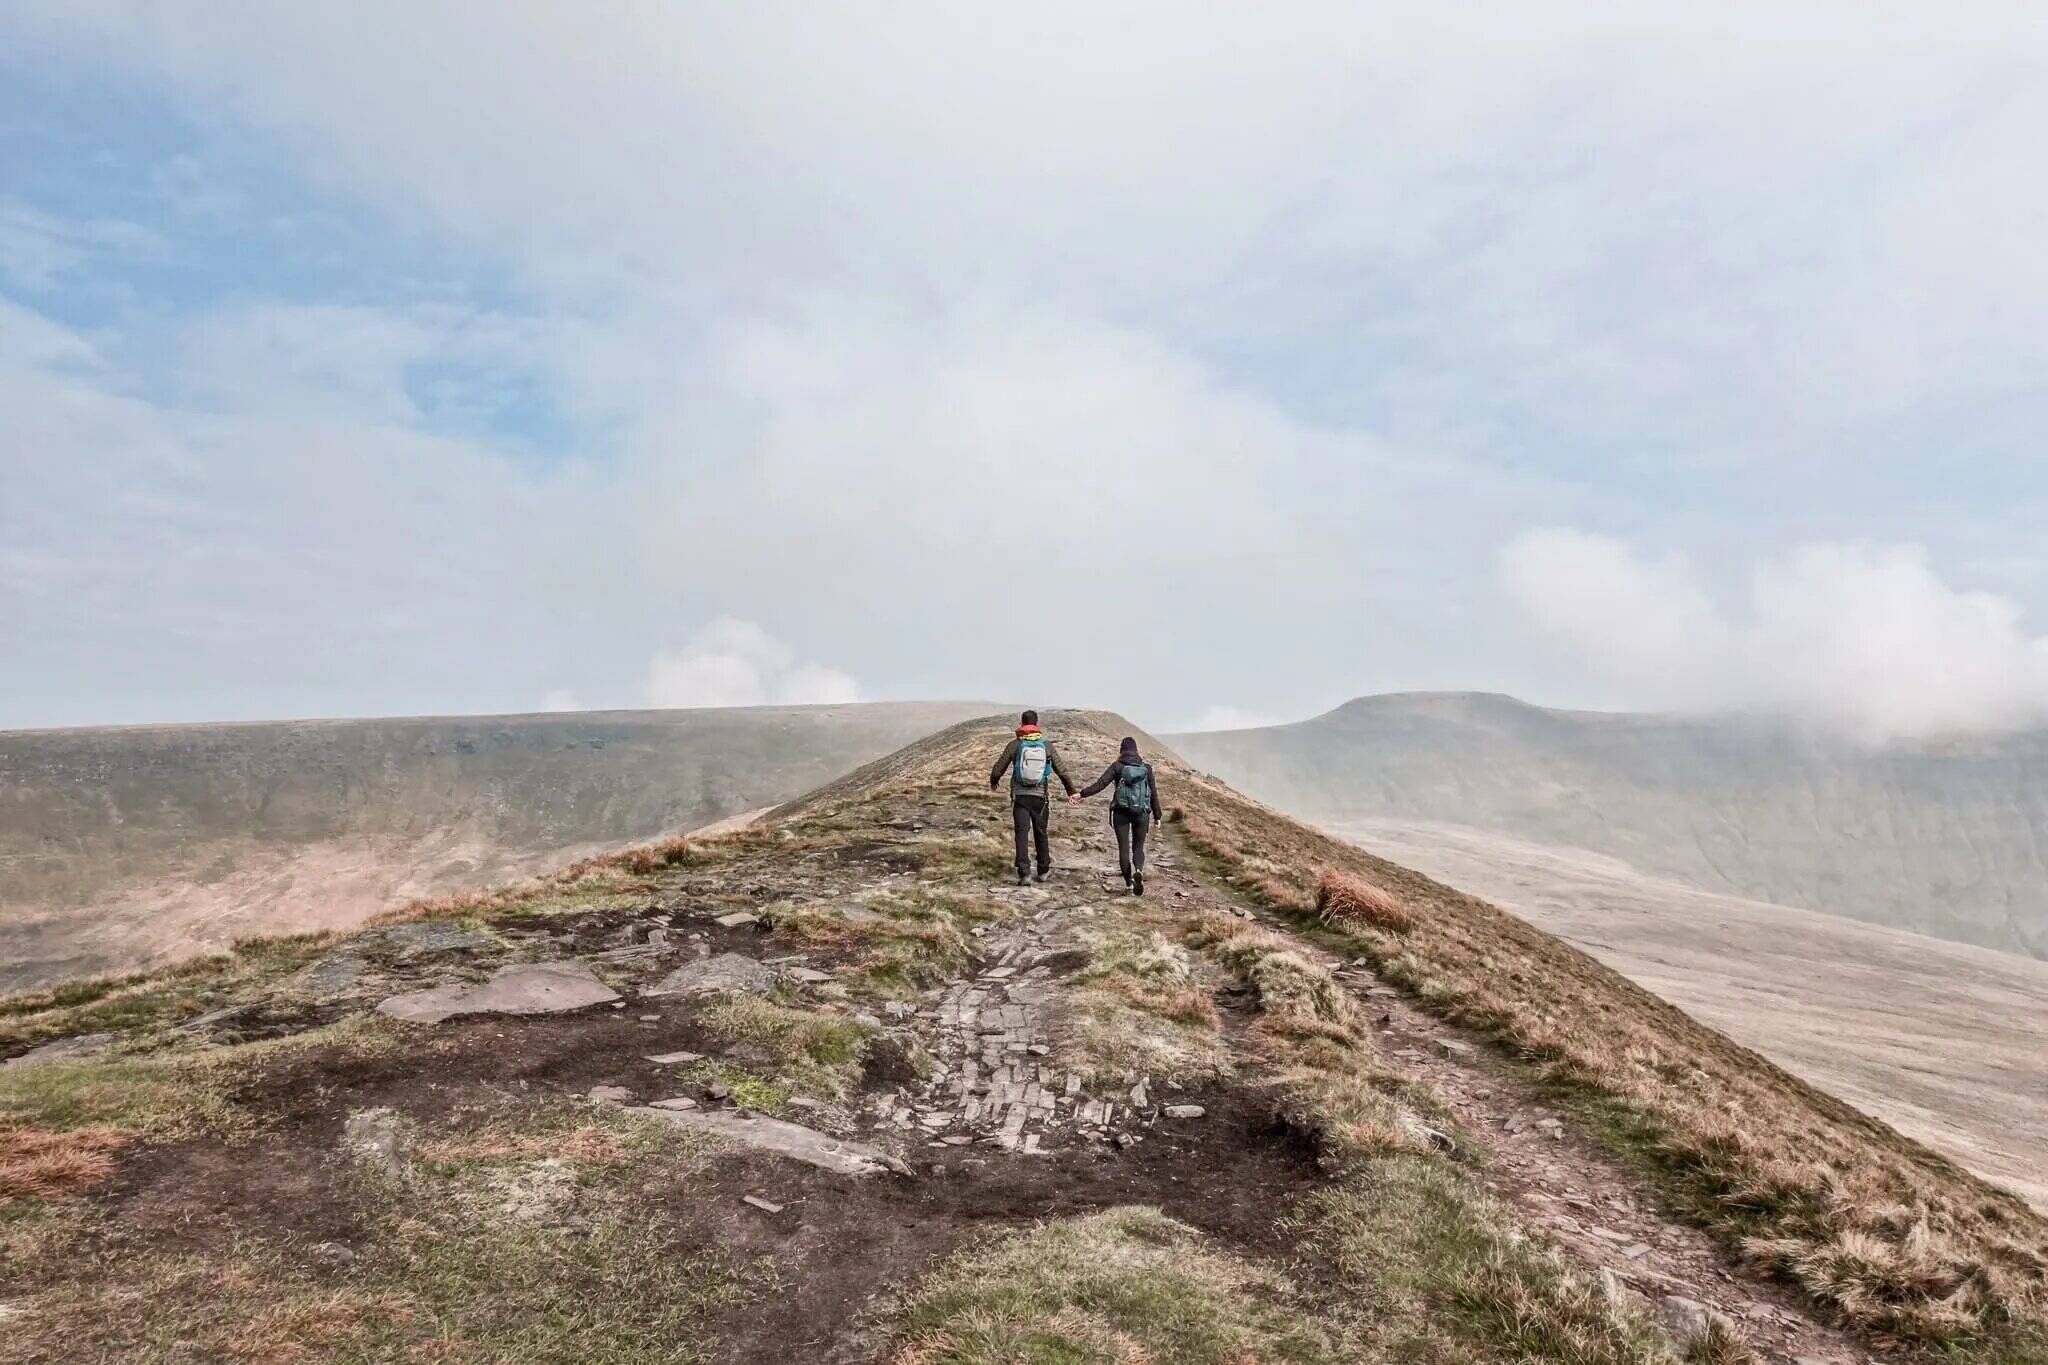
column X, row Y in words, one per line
column 727, row 973
column 428, row 937
column 536, row 988
column 792, row 1140
column 64, row 1049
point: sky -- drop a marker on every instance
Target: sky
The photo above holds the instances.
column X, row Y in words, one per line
column 1214, row 364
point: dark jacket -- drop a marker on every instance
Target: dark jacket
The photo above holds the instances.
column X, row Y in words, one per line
column 1008, row 763
column 1109, row 776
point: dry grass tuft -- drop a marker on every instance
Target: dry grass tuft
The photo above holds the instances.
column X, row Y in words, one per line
column 1342, row 899
column 41, row 1163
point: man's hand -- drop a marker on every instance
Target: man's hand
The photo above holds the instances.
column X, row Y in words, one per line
column 1073, row 798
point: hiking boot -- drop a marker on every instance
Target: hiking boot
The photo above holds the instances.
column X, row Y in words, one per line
column 1127, row 875
column 1043, row 872
column 1022, row 877
column 1137, row 883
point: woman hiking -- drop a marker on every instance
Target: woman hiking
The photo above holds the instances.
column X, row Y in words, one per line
column 1131, row 811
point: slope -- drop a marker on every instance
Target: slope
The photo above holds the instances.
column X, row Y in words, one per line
column 1940, row 838
column 121, row 847
column 1946, row 1042
column 831, row 1088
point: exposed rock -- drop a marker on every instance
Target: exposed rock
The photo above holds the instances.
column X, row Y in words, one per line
column 429, row 937
column 727, row 973
column 674, row 1058
column 219, row 1016
column 736, row 919
column 809, row 976
column 610, row 1094
column 331, row 976
column 676, row 1102
column 376, row 1138
column 65, row 1049
column 1684, row 1317
column 538, row 988
column 1185, row 1111
column 1455, row 1050
column 792, row 1140
column 765, row 1205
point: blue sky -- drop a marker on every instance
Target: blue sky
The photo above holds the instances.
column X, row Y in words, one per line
column 395, row 359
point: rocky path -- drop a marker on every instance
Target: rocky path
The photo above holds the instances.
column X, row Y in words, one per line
column 999, row 1081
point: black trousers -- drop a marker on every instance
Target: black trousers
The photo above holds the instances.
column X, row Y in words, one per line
column 1027, row 813
column 1130, row 838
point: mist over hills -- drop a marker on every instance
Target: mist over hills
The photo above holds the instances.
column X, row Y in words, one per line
column 1942, row 838
column 124, row 846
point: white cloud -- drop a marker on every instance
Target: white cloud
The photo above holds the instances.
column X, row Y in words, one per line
column 737, row 663
column 956, row 389
column 1231, row 718
column 1868, row 639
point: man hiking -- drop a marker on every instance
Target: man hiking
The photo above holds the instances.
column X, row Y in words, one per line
column 1131, row 811
column 1032, row 763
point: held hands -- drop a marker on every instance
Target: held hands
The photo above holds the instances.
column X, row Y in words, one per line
column 1073, row 798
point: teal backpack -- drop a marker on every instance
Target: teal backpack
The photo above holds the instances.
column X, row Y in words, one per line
column 1134, row 788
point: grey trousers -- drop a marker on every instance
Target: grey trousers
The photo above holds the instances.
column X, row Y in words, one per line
column 1130, row 839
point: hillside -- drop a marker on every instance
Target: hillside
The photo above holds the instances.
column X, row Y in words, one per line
column 833, row 1088
column 1946, row 1042
column 1944, row 839
column 122, row 847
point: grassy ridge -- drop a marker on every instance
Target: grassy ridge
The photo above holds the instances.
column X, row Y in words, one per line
column 1893, row 1238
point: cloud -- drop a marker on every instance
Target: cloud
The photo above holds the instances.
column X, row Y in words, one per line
column 1866, row 639
column 737, row 663
column 955, row 390
column 1231, row 718
column 561, row 699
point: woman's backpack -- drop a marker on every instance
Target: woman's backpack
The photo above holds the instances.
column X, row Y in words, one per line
column 1134, row 788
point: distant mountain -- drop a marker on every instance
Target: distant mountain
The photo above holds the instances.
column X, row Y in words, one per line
column 1946, row 838
column 125, row 846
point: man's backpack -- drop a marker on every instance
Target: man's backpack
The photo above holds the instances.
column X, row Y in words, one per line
column 1032, row 761
column 1134, row 788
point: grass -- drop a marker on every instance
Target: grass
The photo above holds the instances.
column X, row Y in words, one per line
column 42, row 1163
column 162, row 1094
column 1316, row 1057
column 898, row 943
column 442, row 1271
column 1127, row 1286
column 1140, row 1008
column 1895, row 1239
column 1343, row 899
column 1439, row 1274
column 799, row 1049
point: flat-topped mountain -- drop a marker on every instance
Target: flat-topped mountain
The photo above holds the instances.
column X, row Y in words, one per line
column 124, row 846
column 1948, row 838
